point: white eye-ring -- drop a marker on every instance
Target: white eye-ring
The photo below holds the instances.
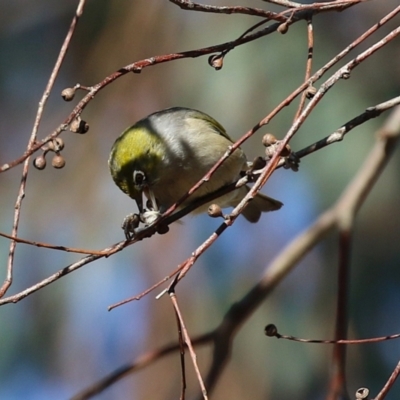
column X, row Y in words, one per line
column 139, row 178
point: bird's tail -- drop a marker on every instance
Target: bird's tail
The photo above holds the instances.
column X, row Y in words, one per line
column 258, row 205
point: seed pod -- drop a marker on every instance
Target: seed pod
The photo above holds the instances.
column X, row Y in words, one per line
column 83, row 127
column 310, row 92
column 68, row 94
column 58, row 161
column 271, row 330
column 216, row 61
column 362, row 393
column 283, row 28
column 215, row 211
column 39, row 162
column 79, row 126
column 269, row 139
column 56, row 144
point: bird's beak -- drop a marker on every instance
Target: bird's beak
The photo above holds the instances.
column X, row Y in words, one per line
column 139, row 200
column 150, row 195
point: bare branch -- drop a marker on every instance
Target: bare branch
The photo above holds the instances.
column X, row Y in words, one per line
column 287, row 259
column 392, row 379
column 21, row 193
column 186, row 5
column 188, row 343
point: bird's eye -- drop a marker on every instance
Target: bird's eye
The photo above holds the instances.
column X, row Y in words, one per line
column 139, row 178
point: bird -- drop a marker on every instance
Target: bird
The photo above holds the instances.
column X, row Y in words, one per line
column 166, row 153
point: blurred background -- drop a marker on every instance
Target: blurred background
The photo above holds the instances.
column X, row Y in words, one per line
column 62, row 338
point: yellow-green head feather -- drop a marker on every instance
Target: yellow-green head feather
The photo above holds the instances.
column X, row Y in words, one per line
column 138, row 148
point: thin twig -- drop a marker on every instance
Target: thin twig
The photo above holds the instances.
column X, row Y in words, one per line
column 293, row 7
column 337, row 385
column 53, row 246
column 336, row 5
column 191, row 6
column 388, row 385
column 346, row 342
column 21, row 193
column 61, row 273
column 189, row 344
column 284, row 3
column 338, row 135
column 182, row 355
column 310, row 37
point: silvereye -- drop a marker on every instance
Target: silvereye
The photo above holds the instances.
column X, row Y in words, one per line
column 166, row 153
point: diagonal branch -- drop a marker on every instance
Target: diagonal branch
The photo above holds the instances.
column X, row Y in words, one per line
column 222, row 337
column 346, row 208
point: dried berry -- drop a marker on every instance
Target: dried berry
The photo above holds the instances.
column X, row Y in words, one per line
column 56, row 145
column 269, row 139
column 283, row 28
column 215, row 211
column 68, row 94
column 216, row 61
column 271, row 330
column 58, row 161
column 362, row 393
column 79, row 126
column 310, row 92
column 39, row 162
